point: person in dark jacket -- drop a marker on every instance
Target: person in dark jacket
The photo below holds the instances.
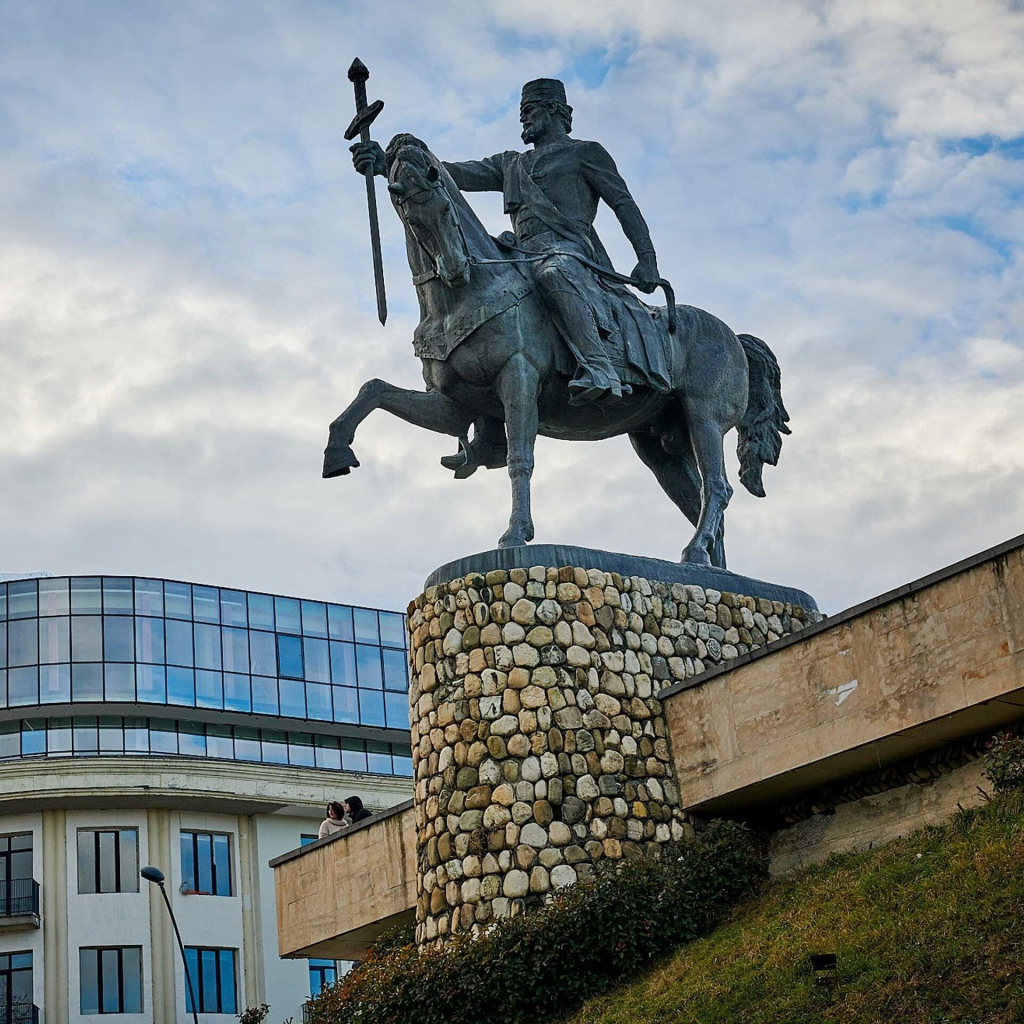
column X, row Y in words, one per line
column 355, row 810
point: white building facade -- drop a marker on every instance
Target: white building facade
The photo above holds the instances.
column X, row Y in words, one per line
column 202, row 736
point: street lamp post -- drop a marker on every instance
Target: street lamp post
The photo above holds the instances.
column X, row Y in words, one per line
column 156, row 876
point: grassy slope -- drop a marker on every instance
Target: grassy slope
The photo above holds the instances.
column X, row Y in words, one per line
column 927, row 929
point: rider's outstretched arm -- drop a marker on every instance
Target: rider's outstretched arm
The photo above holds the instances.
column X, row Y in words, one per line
column 486, row 175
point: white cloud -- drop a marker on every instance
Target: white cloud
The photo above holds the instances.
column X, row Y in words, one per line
column 186, row 297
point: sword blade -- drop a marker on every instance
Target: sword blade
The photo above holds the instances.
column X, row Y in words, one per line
column 378, row 262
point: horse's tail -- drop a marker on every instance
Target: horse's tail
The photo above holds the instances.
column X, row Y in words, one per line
column 765, row 420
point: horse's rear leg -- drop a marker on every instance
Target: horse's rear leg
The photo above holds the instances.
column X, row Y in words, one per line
column 428, row 409
column 518, row 386
column 670, row 458
column 706, row 435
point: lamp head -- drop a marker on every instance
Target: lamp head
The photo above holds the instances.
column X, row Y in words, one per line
column 151, row 874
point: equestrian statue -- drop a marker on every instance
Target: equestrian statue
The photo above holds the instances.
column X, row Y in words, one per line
column 533, row 332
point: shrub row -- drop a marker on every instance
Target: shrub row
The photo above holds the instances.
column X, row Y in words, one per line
column 545, row 963
column 1004, row 761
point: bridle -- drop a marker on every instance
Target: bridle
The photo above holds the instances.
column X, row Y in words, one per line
column 435, row 188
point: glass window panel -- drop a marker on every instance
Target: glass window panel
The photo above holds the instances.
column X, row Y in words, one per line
column 228, row 999
column 396, row 669
column 236, row 692
column 86, row 737
column 207, row 642
column 343, row 664
column 353, row 755
column 293, row 697
column 378, row 757
column 300, row 749
column 136, row 736
column 88, row 972
column 3, row 688
column 149, row 597
column 181, row 687
column 261, row 611
column 339, row 619
column 117, row 596
column 222, row 864
column 151, row 684
column 403, row 764
column 85, row 595
column 22, row 687
column 288, row 615
column 365, row 621
column 328, row 753
column 235, row 646
column 58, row 736
column 396, row 707
column 232, row 608
column 87, row 682
column 205, row 604
column 111, row 735
column 371, row 707
column 149, row 639
column 262, row 653
column 208, row 967
column 179, row 643
column 289, row 656
column 314, row 618
column 54, row 640
column 368, row 665
column 317, row 661
column 3, row 600
column 22, row 643
column 110, row 980
column 21, row 599
column 346, row 704
column 192, row 739
column 129, row 840
column 132, row 966
column 219, row 742
column 10, row 740
column 163, row 739
column 247, row 744
column 118, row 639
column 192, row 963
column 119, row 682
column 54, row 597
column 264, row 696
column 209, row 690
column 275, row 747
column 86, row 638
column 178, row 600
column 318, row 701
column 33, row 737
column 3, row 645
column 392, row 629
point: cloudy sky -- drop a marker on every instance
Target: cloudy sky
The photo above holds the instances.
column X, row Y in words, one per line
column 186, row 296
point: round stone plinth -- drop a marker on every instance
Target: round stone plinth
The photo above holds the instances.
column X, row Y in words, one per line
column 539, row 744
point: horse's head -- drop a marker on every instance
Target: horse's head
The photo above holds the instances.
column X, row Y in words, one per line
column 431, row 218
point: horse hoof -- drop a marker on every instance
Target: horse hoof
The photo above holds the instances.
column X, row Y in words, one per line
column 696, row 557
column 339, row 460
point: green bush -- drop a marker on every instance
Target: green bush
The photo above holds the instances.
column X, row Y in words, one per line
column 545, row 963
column 1004, row 762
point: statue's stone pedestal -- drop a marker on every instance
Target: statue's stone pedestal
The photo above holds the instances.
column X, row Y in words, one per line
column 539, row 743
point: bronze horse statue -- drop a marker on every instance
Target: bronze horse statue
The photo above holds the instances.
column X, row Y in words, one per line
column 489, row 348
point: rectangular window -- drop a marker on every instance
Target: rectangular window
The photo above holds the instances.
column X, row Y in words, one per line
column 314, row 618
column 289, row 656
column 179, row 643
column 339, row 618
column 53, row 597
column 178, row 599
column 118, row 639
column 264, row 696
column 110, row 979
column 232, row 608
column 206, row 863
column 152, row 684
column 262, row 653
column 235, row 649
column 261, row 611
column 371, row 707
column 149, row 639
column 108, row 860
column 317, row 660
column 117, row 596
column 343, row 664
column 288, row 615
column 85, row 595
column 86, row 638
column 209, row 690
column 327, row 753
column 293, row 698
column 212, row 972
column 207, row 639
column 346, row 704
column 368, row 665
column 22, row 687
column 396, row 671
column 392, row 629
column 181, row 687
column 22, row 643
column 396, row 707
column 87, row 683
column 205, row 604
column 54, row 640
column 21, row 599
column 378, row 757
column 54, row 684
column 353, row 754
column 321, row 974
column 119, row 682
column 236, row 692
column 149, row 597
column 275, row 746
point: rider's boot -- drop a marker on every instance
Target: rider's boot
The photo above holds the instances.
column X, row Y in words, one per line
column 585, row 390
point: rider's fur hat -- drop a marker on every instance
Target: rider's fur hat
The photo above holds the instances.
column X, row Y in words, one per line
column 550, row 90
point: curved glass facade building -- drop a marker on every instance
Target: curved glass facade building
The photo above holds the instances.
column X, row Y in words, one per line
column 299, row 682
column 196, row 728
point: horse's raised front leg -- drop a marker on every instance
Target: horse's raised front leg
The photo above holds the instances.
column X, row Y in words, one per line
column 706, row 437
column 518, row 386
column 428, row 409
